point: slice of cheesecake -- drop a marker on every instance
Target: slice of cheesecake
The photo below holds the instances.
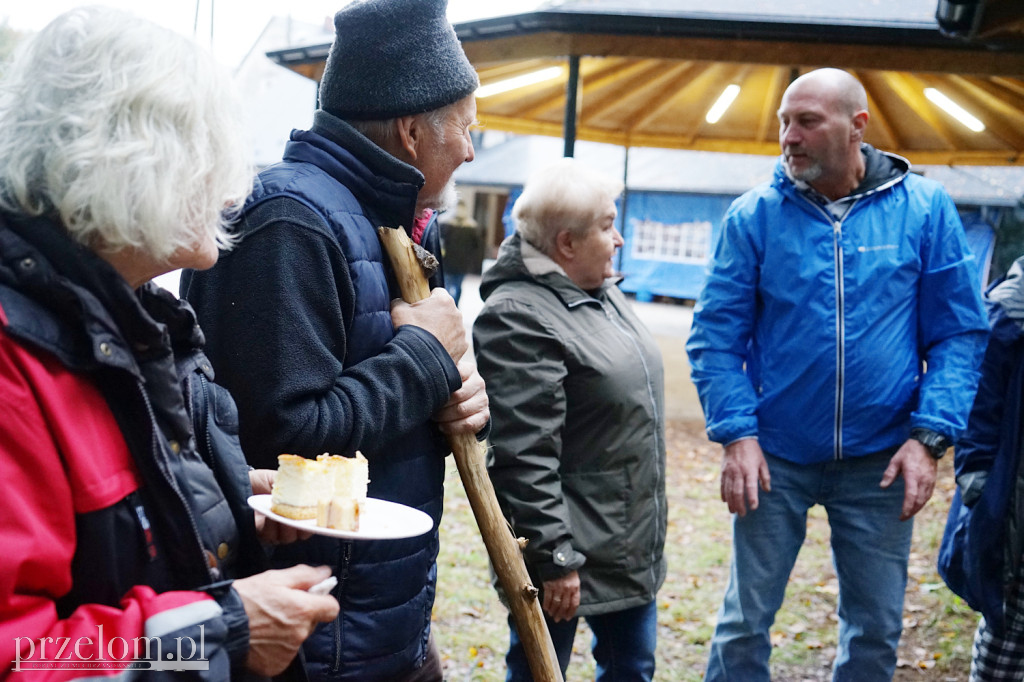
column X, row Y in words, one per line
column 299, row 486
column 328, row 489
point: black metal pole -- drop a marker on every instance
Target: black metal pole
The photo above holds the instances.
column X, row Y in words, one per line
column 571, row 96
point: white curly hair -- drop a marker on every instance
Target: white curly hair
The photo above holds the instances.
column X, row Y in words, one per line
column 127, row 133
column 564, row 195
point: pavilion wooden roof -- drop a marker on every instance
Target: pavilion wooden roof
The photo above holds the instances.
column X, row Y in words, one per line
column 648, row 77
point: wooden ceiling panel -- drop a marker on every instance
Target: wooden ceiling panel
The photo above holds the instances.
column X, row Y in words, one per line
column 663, row 103
column 919, row 124
column 881, row 130
column 745, row 116
column 625, row 105
column 768, row 124
column 1004, row 123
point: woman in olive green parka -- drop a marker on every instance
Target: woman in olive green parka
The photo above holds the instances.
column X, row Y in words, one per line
column 575, row 383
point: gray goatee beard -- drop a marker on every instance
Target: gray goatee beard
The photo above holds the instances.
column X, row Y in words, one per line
column 809, row 174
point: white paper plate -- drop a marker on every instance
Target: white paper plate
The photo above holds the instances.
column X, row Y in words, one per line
column 378, row 520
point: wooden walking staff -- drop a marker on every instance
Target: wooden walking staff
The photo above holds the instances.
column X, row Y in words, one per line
column 503, row 549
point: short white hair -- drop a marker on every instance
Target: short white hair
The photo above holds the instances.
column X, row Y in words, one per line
column 565, row 195
column 127, row 132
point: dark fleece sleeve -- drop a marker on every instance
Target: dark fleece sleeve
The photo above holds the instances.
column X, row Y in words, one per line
column 276, row 312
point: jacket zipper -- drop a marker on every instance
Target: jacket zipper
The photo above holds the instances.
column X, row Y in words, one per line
column 206, row 424
column 342, row 577
column 173, row 483
column 840, row 289
column 837, row 235
column 837, row 240
column 657, row 427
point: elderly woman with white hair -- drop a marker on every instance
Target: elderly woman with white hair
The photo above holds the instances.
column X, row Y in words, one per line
column 576, row 390
column 124, row 504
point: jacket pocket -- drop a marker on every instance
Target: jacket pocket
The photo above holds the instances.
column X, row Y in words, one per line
column 597, row 504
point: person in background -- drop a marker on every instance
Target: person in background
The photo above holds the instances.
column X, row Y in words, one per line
column 578, row 441
column 302, row 330
column 830, row 290
column 980, row 557
column 126, row 530
column 461, row 246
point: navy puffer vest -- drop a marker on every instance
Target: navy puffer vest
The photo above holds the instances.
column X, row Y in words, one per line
column 386, row 587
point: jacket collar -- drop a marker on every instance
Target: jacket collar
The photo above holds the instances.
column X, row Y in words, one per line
column 386, row 186
column 520, row 260
column 1008, row 294
column 882, row 170
column 100, row 319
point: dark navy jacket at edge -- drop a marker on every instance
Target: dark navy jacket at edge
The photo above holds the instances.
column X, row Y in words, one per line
column 982, row 546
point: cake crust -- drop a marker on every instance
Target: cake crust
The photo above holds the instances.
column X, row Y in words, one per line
column 290, row 511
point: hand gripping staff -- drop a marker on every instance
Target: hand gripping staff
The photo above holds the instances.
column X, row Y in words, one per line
column 503, row 549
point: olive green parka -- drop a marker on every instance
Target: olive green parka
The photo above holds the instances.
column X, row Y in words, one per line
column 576, row 388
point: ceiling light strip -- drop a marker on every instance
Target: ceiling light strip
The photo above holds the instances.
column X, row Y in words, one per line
column 516, row 82
column 953, row 109
column 723, row 102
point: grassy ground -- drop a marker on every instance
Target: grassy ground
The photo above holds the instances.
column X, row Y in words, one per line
column 470, row 623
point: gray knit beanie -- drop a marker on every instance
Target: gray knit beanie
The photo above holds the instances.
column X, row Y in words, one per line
column 394, row 58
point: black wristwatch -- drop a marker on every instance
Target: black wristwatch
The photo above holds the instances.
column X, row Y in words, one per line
column 933, row 441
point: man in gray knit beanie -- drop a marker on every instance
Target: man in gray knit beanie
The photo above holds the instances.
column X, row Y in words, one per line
column 301, row 329
column 392, row 58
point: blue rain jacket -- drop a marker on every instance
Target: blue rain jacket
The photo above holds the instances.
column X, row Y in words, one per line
column 812, row 333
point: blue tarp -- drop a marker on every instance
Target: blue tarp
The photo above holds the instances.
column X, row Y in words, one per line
column 668, row 238
column 506, row 220
column 668, row 241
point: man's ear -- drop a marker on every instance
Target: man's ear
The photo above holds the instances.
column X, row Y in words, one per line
column 410, row 136
column 860, row 123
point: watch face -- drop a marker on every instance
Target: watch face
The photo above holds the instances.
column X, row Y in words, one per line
column 937, row 448
column 935, row 443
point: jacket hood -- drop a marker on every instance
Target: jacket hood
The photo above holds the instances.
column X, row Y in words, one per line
column 1009, row 294
column 519, row 260
column 881, row 171
column 95, row 307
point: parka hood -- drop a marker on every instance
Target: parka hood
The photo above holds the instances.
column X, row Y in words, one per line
column 518, row 259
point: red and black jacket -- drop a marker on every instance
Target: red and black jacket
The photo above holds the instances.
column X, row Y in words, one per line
column 122, row 519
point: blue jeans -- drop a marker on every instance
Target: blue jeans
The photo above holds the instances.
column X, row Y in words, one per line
column 870, row 548
column 453, row 284
column 623, row 645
